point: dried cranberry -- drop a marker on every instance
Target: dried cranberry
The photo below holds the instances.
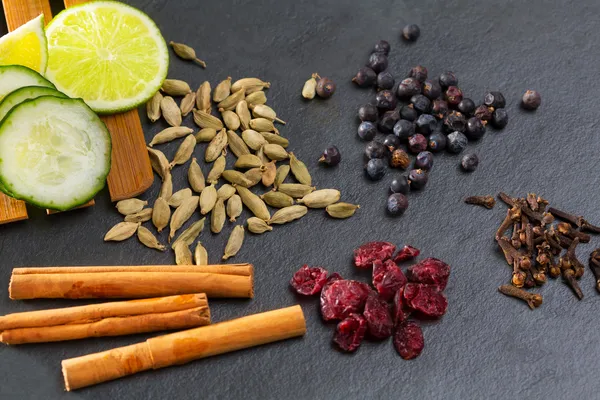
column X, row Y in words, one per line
column 430, row 271
column 410, row 291
column 334, row 276
column 350, row 332
column 407, row 253
column 429, row 302
column 366, row 254
column 342, row 298
column 408, row 340
column 377, row 314
column 387, row 278
column 309, row 280
column 401, row 310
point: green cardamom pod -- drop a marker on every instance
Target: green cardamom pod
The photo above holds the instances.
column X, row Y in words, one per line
column 203, row 97
column 253, row 139
column 320, row 198
column 281, row 174
column 248, row 161
column 178, row 197
column 231, row 101
column 231, row 120
column 254, row 175
column 258, row 97
column 130, row 206
column 182, row 214
column 184, row 152
column 216, row 146
column 169, row 134
column 275, row 152
column 196, row 177
column 200, row 255
column 205, row 120
column 299, row 170
column 190, row 234
column 170, row 111
column 288, row 214
column 254, row 203
column 236, row 178
column 257, row 225
column 153, row 107
column 142, row 216
column 222, row 91
column 225, row 192
column 296, row 190
column 208, row 199
column 121, row 231
column 175, row 87
column 243, row 113
column 236, row 144
column 277, row 199
column 341, row 210
column 249, row 83
column 217, row 216
column 234, row 243
column 148, row 239
column 268, row 175
column 205, row 135
column 186, row 53
column 234, row 207
column 275, row 139
column 187, row 104
column 159, row 162
column 217, row 169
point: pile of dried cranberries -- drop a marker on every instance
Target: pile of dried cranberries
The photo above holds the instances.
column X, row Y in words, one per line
column 384, row 311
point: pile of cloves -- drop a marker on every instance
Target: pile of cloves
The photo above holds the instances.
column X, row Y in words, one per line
column 538, row 247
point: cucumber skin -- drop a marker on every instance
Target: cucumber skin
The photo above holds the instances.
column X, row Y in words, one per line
column 26, row 71
column 48, row 91
column 102, row 182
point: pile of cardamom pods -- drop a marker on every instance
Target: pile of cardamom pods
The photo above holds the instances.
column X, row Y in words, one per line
column 242, row 106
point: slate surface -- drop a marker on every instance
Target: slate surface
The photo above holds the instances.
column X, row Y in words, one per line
column 487, row 346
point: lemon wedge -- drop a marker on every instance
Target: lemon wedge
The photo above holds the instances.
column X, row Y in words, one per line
column 26, row 46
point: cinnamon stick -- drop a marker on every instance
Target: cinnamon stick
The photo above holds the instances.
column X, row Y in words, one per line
column 236, row 280
column 183, row 347
column 107, row 319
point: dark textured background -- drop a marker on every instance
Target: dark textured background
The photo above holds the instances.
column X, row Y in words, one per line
column 487, row 345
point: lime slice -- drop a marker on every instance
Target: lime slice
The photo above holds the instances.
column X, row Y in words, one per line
column 54, row 152
column 26, row 46
column 107, row 53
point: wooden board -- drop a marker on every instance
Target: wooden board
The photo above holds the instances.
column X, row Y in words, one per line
column 131, row 173
column 17, row 13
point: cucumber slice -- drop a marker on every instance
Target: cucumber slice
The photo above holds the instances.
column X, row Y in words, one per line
column 25, row 93
column 13, row 77
column 54, row 153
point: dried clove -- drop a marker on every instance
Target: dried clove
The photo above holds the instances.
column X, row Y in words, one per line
column 504, row 225
column 486, row 201
column 595, row 266
column 532, row 201
column 533, row 300
column 575, row 220
column 569, row 278
column 566, row 229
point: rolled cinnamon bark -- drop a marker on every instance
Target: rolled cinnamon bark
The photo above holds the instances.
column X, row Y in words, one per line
column 94, row 312
column 131, row 282
column 107, row 319
column 114, row 326
column 183, row 347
